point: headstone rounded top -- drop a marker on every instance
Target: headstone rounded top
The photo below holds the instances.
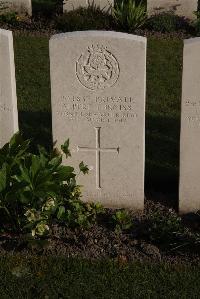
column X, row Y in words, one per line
column 99, row 33
column 6, row 32
column 192, row 40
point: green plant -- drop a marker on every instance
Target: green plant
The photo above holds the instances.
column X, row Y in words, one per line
column 122, row 220
column 5, row 15
column 166, row 22
column 163, row 228
column 36, row 189
column 96, row 8
column 84, row 19
column 10, row 18
column 75, row 213
column 129, row 15
column 196, row 23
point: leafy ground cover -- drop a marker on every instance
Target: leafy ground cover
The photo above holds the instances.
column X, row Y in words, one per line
column 40, row 277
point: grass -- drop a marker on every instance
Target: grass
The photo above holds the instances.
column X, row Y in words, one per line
column 164, row 76
column 41, row 277
column 33, row 88
column 164, row 65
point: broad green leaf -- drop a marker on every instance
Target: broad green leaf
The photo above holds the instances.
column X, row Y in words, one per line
column 35, row 167
column 42, row 150
column 25, row 197
column 83, row 168
column 25, row 174
column 61, row 211
column 22, row 148
column 55, row 162
column 15, row 140
column 3, row 153
column 65, row 173
column 65, row 148
column 3, row 177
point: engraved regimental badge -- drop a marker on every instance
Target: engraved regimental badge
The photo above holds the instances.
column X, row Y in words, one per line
column 97, row 68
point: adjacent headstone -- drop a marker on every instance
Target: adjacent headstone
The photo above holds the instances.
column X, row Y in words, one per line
column 98, row 101
column 189, row 193
column 179, row 7
column 8, row 98
column 22, row 7
column 104, row 5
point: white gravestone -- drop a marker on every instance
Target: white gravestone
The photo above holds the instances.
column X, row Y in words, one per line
column 179, row 7
column 98, row 101
column 8, row 98
column 105, row 5
column 21, row 7
column 189, row 193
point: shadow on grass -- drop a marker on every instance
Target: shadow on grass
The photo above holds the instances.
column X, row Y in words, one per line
column 37, row 126
column 162, row 154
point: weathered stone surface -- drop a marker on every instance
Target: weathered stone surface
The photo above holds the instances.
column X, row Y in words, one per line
column 20, row 6
column 105, row 5
column 189, row 193
column 8, row 98
column 98, row 101
column 179, row 7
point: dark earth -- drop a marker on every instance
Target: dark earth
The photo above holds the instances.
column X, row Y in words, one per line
column 101, row 241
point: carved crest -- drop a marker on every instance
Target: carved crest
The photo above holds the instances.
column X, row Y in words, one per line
column 97, row 68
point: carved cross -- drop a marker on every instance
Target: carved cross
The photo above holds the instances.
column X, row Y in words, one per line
column 98, row 151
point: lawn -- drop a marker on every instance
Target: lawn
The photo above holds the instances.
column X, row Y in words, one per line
column 163, row 103
column 164, row 79
column 41, row 277
column 33, row 88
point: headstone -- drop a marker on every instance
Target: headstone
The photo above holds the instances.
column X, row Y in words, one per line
column 189, row 193
column 22, row 7
column 104, row 5
column 98, row 102
column 8, row 98
column 179, row 7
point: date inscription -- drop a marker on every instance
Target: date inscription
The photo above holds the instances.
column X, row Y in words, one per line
column 97, row 109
